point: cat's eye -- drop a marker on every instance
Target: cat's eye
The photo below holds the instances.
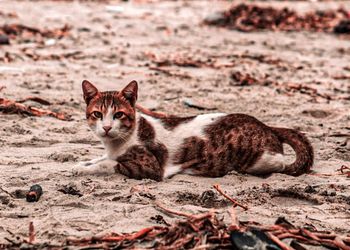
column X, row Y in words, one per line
column 118, row 115
column 97, row 114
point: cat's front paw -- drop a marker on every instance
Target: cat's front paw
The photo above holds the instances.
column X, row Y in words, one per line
column 79, row 169
column 105, row 167
column 84, row 164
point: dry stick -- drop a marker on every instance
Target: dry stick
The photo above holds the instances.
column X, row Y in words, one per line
column 7, row 192
column 35, row 99
column 342, row 168
column 180, row 242
column 234, row 221
column 282, row 245
column 169, row 73
column 31, row 233
column 139, row 234
column 11, row 241
column 339, row 243
column 271, row 228
column 346, row 240
column 309, row 234
column 129, row 237
column 290, row 235
column 190, row 216
column 325, row 235
column 315, row 238
column 236, row 203
column 330, row 174
column 12, row 107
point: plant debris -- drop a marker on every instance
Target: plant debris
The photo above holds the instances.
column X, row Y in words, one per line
column 235, row 203
column 343, row 171
column 31, row 233
column 183, row 61
column 23, row 33
column 250, row 17
column 32, row 54
column 8, row 14
column 70, row 189
column 170, row 73
column 239, row 79
column 16, row 107
column 244, row 79
column 203, row 231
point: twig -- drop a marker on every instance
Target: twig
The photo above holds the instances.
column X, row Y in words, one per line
column 236, row 203
column 282, row 245
column 129, row 237
column 181, row 242
column 35, row 99
column 7, row 192
column 11, row 241
column 170, row 211
column 341, row 169
column 340, row 243
column 234, row 221
column 31, row 233
column 331, row 174
column 290, row 235
column 309, row 234
column 169, row 73
column 12, row 107
column 324, row 235
column 335, row 243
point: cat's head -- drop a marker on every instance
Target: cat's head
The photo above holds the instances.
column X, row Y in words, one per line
column 111, row 114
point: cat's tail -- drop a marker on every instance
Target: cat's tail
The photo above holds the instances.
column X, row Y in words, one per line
column 303, row 150
column 149, row 112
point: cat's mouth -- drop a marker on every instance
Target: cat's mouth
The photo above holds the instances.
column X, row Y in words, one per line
column 107, row 136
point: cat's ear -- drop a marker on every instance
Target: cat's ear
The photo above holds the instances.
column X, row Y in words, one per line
column 130, row 92
column 89, row 90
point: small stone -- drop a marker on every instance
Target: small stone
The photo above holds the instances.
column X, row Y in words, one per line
column 343, row 27
column 310, row 189
column 63, row 157
column 20, row 193
column 4, row 40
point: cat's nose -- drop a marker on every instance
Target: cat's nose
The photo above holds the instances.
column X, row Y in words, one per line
column 107, row 128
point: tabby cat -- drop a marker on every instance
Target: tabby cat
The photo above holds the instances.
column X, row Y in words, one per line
column 143, row 144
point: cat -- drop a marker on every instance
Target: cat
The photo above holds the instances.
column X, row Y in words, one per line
column 141, row 143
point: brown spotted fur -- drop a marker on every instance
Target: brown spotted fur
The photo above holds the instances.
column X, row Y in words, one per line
column 236, row 142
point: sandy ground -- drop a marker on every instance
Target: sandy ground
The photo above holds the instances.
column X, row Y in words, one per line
column 115, row 47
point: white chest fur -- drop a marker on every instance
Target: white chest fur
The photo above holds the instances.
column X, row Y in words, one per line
column 115, row 149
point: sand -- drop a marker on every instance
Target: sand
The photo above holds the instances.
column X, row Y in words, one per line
column 115, row 48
